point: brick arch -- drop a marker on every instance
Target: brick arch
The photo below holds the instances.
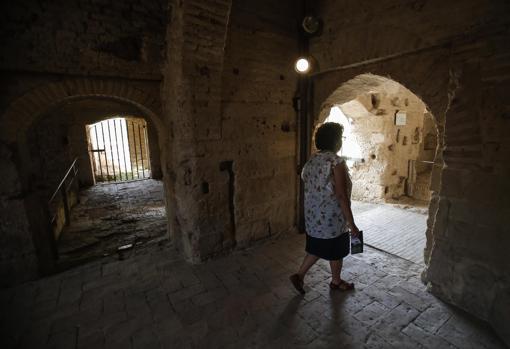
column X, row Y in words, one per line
column 25, row 110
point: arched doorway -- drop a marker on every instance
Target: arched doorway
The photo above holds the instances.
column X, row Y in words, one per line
column 95, row 100
column 390, row 141
column 115, row 202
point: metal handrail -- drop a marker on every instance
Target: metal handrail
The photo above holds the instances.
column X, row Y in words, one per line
column 63, row 189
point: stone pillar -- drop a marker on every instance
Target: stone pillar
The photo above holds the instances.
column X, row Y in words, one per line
column 469, row 259
column 192, row 106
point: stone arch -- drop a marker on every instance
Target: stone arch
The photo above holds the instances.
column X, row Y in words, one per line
column 360, row 84
column 26, row 109
column 22, row 113
column 76, row 112
column 353, row 85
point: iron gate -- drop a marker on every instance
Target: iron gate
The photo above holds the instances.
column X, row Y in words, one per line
column 119, row 149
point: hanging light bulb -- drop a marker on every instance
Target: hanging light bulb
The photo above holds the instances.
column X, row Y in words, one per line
column 302, row 65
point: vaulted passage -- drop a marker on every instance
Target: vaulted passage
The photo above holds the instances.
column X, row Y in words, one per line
column 97, row 173
column 150, row 161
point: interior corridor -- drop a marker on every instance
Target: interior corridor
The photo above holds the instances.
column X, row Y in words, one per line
column 218, row 102
column 110, row 216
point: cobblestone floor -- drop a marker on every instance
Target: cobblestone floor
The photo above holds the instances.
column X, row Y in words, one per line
column 396, row 230
column 112, row 215
column 153, row 299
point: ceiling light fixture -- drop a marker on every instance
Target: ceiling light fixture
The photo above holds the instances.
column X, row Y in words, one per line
column 302, row 65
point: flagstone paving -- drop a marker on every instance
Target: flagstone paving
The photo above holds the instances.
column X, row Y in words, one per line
column 154, row 299
column 393, row 229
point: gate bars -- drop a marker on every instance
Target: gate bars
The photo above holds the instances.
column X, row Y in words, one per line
column 119, row 150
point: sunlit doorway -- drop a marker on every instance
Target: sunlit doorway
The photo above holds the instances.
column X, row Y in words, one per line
column 119, row 149
column 389, row 144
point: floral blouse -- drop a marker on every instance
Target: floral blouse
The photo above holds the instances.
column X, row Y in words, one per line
column 323, row 216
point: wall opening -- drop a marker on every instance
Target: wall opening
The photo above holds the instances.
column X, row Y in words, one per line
column 119, row 149
column 389, row 143
column 113, row 144
column 390, row 152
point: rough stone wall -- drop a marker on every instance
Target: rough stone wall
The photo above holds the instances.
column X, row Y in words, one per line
column 228, row 87
column 471, row 231
column 386, row 148
column 97, row 37
column 423, row 168
column 50, row 152
column 258, row 122
column 18, row 259
column 460, row 68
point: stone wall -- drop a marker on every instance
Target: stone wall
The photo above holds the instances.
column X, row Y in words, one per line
column 18, row 258
column 454, row 56
column 258, row 122
column 97, row 37
column 427, row 154
column 228, row 87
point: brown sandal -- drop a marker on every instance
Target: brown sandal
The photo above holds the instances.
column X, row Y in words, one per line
column 342, row 286
column 297, row 282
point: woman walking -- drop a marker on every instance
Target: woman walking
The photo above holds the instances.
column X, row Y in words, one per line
column 328, row 215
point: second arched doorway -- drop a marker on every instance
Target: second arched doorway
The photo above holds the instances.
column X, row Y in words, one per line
column 390, row 141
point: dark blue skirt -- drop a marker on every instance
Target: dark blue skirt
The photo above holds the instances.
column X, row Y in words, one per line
column 329, row 249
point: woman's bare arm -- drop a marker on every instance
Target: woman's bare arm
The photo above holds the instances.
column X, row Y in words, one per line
column 340, row 176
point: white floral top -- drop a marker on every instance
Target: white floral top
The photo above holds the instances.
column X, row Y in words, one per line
column 323, row 216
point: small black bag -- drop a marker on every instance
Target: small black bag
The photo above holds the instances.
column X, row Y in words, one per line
column 357, row 243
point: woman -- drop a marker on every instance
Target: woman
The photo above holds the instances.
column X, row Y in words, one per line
column 328, row 215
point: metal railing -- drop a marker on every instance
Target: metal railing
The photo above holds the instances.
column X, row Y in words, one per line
column 63, row 189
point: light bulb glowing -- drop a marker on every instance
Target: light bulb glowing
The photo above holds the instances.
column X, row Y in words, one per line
column 302, row 65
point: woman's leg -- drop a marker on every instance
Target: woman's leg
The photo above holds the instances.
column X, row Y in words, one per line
column 336, row 269
column 336, row 281
column 297, row 279
column 308, row 261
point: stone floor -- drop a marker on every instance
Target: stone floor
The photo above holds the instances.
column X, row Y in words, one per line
column 396, row 229
column 153, row 299
column 113, row 215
